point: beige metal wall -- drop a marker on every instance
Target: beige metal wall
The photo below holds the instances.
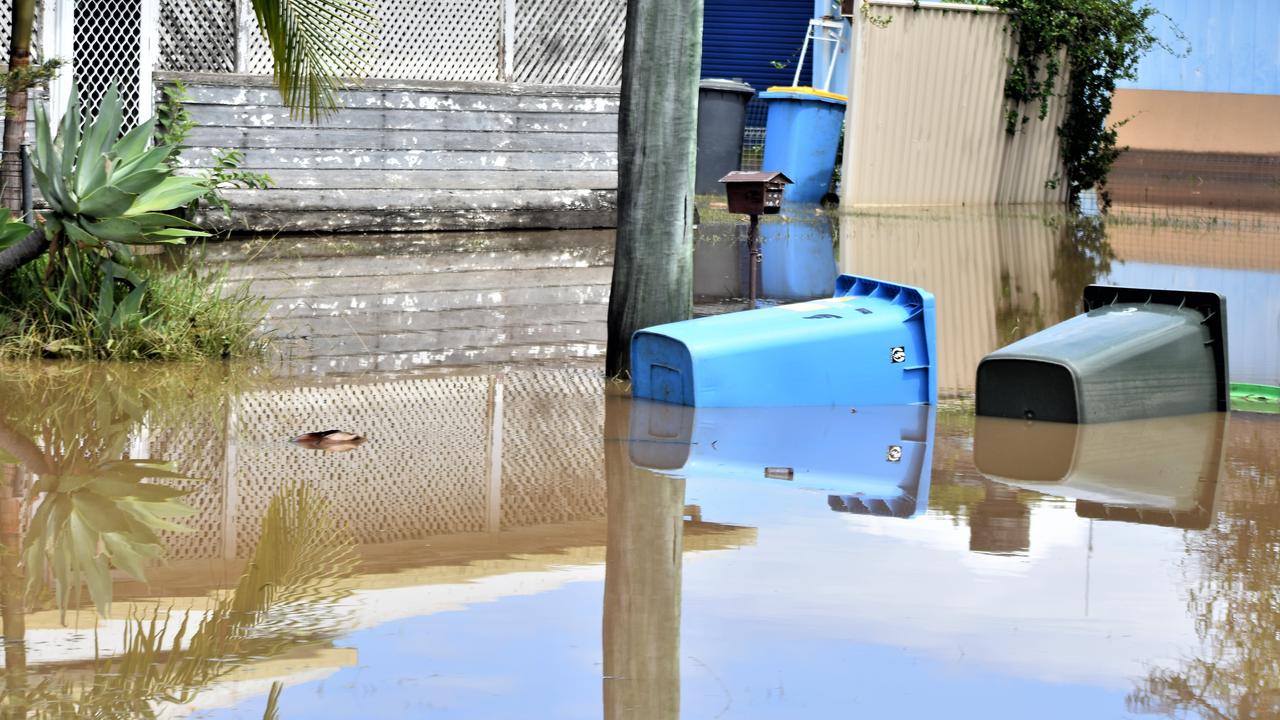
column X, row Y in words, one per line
column 1197, row 122
column 925, row 123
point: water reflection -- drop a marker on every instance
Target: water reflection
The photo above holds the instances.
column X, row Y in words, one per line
column 797, row 260
column 642, row 583
column 1233, row 596
column 997, row 276
column 868, row 461
column 1162, row 471
column 359, row 304
column 1000, row 275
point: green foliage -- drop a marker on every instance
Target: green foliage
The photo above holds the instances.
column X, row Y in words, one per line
column 315, row 43
column 106, row 192
column 173, row 126
column 284, row 601
column 173, row 121
column 25, row 77
column 186, row 314
column 1101, row 42
column 11, row 230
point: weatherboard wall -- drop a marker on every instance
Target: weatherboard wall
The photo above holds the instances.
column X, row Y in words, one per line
column 412, row 155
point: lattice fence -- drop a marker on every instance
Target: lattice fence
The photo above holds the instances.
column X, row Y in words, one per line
column 107, row 41
column 569, row 42
column 6, row 12
column 564, row 42
column 198, row 35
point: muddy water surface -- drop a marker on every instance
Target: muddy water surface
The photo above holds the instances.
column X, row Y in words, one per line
column 517, row 539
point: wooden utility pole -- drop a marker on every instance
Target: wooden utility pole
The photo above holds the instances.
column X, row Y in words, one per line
column 657, row 139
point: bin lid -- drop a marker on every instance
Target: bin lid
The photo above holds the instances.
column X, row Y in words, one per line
column 724, row 85
column 804, row 93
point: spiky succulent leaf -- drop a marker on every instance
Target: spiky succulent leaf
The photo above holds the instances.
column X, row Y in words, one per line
column 174, row 192
column 91, row 170
column 114, row 229
column 68, row 138
column 46, row 163
column 173, row 236
column 139, row 182
column 106, row 201
column 80, row 237
column 134, row 142
column 153, row 158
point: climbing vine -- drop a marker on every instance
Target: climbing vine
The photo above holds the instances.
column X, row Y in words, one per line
column 1100, row 42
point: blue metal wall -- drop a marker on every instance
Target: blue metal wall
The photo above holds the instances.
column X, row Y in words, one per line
column 740, row 38
column 1234, row 47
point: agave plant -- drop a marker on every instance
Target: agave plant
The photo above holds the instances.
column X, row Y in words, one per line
column 11, row 230
column 106, row 191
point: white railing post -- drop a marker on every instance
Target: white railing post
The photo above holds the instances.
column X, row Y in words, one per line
column 148, row 57
column 57, row 41
column 508, row 40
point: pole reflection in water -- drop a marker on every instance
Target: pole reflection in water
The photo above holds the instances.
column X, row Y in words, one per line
column 868, row 461
column 1161, row 471
column 642, row 582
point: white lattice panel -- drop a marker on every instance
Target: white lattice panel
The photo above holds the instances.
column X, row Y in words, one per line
column 457, row 40
column 569, row 42
column 552, row 451
column 107, row 37
column 6, row 12
column 197, row 35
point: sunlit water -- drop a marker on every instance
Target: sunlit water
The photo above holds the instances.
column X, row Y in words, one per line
column 517, row 539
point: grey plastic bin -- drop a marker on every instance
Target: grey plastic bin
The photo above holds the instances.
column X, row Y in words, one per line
column 722, row 118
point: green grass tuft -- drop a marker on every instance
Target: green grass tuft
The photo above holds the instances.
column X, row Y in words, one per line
column 186, row 314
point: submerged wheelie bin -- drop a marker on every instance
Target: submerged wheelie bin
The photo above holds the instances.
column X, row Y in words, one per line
column 1135, row 353
column 870, row 344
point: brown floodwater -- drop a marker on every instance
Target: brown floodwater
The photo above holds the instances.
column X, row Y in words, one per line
column 513, row 537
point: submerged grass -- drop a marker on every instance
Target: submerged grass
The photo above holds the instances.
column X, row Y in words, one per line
column 187, row 313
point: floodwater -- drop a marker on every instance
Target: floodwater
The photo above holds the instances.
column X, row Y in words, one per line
column 516, row 538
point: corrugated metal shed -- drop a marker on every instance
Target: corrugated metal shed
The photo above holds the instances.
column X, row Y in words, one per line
column 1234, row 47
column 925, row 123
column 742, row 38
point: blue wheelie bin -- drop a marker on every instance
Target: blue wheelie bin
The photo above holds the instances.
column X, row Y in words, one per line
column 870, row 344
column 802, row 133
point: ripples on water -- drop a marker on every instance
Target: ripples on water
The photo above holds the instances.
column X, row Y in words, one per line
column 518, row 539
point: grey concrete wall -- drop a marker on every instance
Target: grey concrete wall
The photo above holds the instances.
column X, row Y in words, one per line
column 412, row 156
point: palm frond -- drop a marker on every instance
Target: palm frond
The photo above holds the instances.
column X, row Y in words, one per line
column 315, row 44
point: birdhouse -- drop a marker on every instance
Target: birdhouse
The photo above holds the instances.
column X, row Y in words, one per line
column 755, row 193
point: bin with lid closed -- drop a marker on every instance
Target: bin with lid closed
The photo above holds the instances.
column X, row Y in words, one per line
column 722, row 119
